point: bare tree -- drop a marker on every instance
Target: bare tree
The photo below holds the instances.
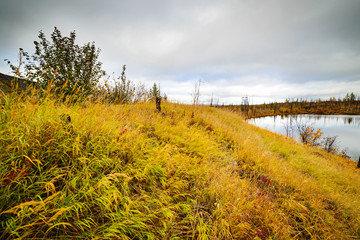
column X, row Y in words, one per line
column 330, row 144
column 245, row 104
column 196, row 93
column 141, row 93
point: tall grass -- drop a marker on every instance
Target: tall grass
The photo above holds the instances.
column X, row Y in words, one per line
column 100, row 171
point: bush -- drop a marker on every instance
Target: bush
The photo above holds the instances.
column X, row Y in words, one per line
column 308, row 134
column 122, row 90
column 65, row 65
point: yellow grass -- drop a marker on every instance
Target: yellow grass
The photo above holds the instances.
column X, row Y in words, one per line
column 129, row 172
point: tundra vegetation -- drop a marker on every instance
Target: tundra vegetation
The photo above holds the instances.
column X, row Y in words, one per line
column 104, row 171
column 98, row 167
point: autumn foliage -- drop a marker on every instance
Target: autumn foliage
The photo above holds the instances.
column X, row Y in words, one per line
column 350, row 104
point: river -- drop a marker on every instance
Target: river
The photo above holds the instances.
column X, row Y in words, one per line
column 345, row 127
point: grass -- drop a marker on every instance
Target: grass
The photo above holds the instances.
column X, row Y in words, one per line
column 191, row 172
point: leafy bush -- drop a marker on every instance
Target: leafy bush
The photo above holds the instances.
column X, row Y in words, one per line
column 61, row 63
column 308, row 134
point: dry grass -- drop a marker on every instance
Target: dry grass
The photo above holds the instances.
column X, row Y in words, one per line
column 129, row 172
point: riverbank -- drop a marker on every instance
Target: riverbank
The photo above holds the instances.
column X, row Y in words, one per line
column 343, row 130
column 100, row 171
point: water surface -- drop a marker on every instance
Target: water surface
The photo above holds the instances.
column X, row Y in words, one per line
column 345, row 127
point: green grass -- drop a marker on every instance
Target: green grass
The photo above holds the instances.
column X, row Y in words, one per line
column 129, row 172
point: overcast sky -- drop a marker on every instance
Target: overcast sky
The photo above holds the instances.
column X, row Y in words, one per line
column 265, row 49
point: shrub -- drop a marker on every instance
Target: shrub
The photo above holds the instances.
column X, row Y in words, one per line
column 67, row 66
column 122, row 90
column 330, row 144
column 308, row 134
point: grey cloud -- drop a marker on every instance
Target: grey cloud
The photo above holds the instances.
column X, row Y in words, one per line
column 248, row 43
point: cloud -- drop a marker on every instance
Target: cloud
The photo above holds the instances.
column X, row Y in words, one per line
column 260, row 48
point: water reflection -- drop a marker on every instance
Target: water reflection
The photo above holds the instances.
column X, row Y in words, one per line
column 346, row 127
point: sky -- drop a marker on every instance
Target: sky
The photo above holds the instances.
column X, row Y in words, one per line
column 268, row 50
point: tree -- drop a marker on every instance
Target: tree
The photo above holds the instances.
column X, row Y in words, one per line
column 245, row 104
column 196, row 92
column 154, row 92
column 66, row 65
column 156, row 96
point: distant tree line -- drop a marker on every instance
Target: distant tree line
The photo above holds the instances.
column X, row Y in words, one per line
column 350, row 104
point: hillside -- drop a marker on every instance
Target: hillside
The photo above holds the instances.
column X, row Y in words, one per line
column 6, row 83
column 99, row 171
